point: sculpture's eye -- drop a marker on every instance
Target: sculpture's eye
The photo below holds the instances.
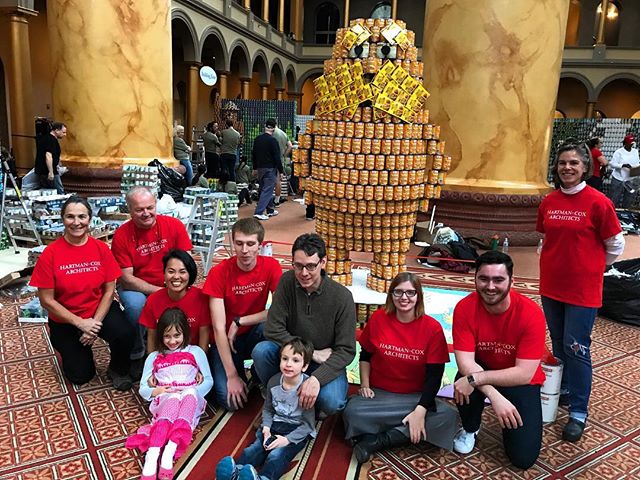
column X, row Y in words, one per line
column 359, row 51
column 387, row 51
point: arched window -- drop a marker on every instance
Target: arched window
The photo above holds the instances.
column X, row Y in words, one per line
column 381, row 10
column 327, row 22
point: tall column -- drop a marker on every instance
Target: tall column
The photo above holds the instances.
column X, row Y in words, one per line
column 281, row 16
column 247, row 4
column 117, row 102
column 297, row 16
column 394, row 9
column 493, row 91
column 591, row 108
column 192, row 99
column 602, row 22
column 20, row 91
column 244, row 88
column 222, row 84
column 346, row 13
column 264, row 89
column 279, row 93
column 265, row 10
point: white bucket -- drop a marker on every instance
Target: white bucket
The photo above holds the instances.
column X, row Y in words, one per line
column 549, row 406
column 551, row 385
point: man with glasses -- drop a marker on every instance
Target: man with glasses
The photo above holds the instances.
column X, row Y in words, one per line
column 310, row 305
column 498, row 341
column 239, row 288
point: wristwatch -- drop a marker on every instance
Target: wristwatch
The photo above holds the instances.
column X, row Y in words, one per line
column 236, row 320
column 471, row 380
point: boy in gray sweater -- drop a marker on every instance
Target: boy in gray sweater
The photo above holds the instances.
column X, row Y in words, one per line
column 286, row 426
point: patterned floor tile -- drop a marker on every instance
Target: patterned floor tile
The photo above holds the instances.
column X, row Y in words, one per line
column 617, row 335
column 37, row 432
column 28, row 380
column 112, row 415
column 23, row 343
column 624, row 372
column 120, row 463
column 614, row 407
column 601, row 352
column 623, row 462
column 74, row 468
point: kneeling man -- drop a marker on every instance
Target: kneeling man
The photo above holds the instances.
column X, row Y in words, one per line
column 498, row 340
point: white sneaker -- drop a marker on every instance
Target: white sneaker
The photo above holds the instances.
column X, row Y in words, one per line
column 273, row 213
column 261, row 217
column 464, row 441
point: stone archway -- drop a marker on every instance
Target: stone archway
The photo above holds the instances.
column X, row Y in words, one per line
column 184, row 51
column 4, row 112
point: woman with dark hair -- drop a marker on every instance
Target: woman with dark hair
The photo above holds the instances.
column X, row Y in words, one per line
column 582, row 235
column 401, row 365
column 599, row 161
column 180, row 272
column 76, row 277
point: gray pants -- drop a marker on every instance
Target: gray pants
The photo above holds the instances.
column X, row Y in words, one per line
column 621, row 193
column 386, row 411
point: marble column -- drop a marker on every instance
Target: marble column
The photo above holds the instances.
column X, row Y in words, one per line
column 591, row 108
column 192, row 99
column 279, row 93
column 222, row 84
column 265, row 10
column 111, row 86
column 247, row 4
column 264, row 90
column 602, row 20
column 281, row 16
column 244, row 88
column 297, row 16
column 493, row 68
column 346, row 13
column 20, row 82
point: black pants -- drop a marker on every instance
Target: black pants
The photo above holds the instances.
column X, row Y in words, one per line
column 228, row 161
column 522, row 445
column 212, row 160
column 77, row 359
column 595, row 182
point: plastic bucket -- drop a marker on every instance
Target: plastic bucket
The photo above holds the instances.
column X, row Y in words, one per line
column 551, row 385
column 549, row 406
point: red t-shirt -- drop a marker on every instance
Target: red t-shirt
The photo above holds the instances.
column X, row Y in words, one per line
column 400, row 351
column 143, row 249
column 497, row 340
column 572, row 261
column 77, row 274
column 194, row 304
column 244, row 293
column 595, row 155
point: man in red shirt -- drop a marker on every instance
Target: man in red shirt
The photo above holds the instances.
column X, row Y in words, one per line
column 498, row 340
column 239, row 288
column 138, row 246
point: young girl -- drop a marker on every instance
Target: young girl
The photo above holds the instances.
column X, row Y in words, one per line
column 175, row 379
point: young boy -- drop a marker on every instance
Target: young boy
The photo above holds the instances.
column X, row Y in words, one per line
column 285, row 425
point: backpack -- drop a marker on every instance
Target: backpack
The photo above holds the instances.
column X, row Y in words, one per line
column 442, row 251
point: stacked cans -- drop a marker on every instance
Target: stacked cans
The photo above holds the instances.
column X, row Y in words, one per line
column 370, row 159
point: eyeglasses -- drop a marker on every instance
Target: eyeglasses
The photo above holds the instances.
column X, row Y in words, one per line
column 409, row 293
column 309, row 266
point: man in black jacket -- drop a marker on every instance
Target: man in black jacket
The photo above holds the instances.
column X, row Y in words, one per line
column 48, row 158
column 267, row 160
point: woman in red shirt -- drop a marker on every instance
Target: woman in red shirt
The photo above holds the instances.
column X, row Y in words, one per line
column 180, row 273
column 76, row 277
column 599, row 161
column 582, row 235
column 401, row 365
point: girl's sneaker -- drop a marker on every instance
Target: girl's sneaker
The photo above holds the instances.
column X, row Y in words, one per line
column 464, row 441
column 227, row 469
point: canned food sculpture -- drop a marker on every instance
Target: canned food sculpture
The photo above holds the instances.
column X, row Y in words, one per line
column 370, row 159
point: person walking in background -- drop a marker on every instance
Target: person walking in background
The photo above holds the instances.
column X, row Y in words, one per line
column 622, row 161
column 212, row 143
column 267, row 160
column 229, row 148
column 599, row 163
column 182, row 152
column 582, row 235
column 48, row 158
column 285, row 149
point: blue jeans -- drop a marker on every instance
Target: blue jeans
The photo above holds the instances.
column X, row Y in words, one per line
column 133, row 302
column 570, row 329
column 275, row 461
column 188, row 176
column 244, row 346
column 333, row 395
column 55, row 183
column 267, row 178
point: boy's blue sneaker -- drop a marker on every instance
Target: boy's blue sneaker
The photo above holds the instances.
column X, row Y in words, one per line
column 248, row 473
column 227, row 469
